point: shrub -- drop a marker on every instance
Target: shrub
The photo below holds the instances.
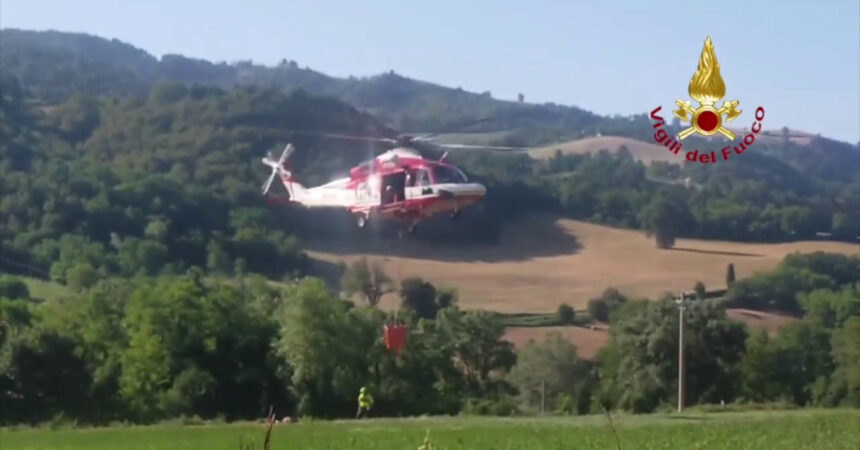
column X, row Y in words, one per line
column 566, row 314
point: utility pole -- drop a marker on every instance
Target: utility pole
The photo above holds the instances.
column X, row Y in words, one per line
column 680, row 302
column 542, row 395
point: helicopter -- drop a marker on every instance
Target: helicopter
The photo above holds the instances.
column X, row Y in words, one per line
column 397, row 184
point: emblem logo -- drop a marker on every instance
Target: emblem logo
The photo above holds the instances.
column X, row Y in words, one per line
column 707, row 87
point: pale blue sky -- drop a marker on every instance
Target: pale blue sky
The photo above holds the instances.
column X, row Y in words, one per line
column 798, row 59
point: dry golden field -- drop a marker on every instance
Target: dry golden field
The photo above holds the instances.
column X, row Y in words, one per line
column 590, row 339
column 648, row 151
column 544, row 261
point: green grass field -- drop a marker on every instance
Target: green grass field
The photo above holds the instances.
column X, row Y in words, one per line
column 796, row 430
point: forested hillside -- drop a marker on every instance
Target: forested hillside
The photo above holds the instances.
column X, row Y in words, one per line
column 84, row 63
column 121, row 186
column 168, row 179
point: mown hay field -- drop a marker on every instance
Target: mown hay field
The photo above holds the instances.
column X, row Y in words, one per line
column 544, row 261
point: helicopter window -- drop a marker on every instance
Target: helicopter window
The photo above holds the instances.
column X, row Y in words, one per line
column 422, row 178
column 443, row 174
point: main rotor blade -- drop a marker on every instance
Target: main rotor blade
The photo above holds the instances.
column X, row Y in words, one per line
column 458, row 127
column 473, row 122
column 484, row 147
column 344, row 136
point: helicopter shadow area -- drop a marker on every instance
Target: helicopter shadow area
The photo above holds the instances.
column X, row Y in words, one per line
column 519, row 240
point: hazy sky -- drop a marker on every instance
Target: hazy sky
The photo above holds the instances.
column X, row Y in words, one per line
column 798, row 59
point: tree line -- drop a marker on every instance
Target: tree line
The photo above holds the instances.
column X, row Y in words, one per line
column 145, row 349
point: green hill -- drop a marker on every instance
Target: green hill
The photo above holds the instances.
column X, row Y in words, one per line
column 86, row 63
column 104, row 142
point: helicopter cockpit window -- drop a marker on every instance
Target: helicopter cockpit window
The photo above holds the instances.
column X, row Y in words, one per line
column 422, row 178
column 442, row 174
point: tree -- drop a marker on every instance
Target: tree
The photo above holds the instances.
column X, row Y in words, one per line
column 217, row 259
column 777, row 290
column 565, row 314
column 521, row 98
column 831, row 308
column 476, row 340
column 847, row 224
column 329, row 349
column 368, row 280
column 419, row 296
column 598, row 309
column 730, row 275
column 168, row 92
column 644, row 340
column 138, row 255
column 701, row 290
column 842, row 269
column 846, row 354
column 198, row 349
column 760, row 369
column 805, row 362
column 601, row 308
column 81, row 276
column 41, row 376
column 664, row 219
column 550, row 370
column 240, row 268
column 446, row 297
column 12, row 288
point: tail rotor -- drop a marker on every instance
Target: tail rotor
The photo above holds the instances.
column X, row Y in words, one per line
column 277, row 167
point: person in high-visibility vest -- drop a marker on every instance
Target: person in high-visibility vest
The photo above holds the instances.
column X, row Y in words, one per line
column 365, row 402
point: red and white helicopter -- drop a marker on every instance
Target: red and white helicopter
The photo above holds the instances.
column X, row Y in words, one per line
column 398, row 184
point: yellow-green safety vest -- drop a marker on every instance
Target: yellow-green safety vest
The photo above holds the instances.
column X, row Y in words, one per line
column 365, row 400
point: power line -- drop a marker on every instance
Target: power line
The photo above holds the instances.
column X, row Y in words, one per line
column 30, row 268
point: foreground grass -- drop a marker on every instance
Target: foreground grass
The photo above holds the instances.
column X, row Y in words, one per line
column 797, row 430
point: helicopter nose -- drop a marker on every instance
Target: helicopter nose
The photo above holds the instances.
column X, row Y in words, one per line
column 462, row 190
column 474, row 189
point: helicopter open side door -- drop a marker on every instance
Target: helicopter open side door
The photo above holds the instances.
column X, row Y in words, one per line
column 368, row 192
column 418, row 184
column 393, row 188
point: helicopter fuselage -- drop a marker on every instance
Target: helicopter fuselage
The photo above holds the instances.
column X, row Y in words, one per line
column 396, row 184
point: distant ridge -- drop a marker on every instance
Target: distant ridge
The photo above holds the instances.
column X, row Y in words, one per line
column 98, row 66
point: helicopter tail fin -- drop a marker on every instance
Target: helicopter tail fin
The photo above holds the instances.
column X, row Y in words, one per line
column 279, row 168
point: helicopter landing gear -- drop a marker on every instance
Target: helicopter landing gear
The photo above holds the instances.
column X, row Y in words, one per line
column 361, row 220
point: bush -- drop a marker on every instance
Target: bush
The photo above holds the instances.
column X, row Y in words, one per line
column 565, row 404
column 504, row 406
column 13, row 288
column 610, row 300
column 566, row 314
column 598, row 309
